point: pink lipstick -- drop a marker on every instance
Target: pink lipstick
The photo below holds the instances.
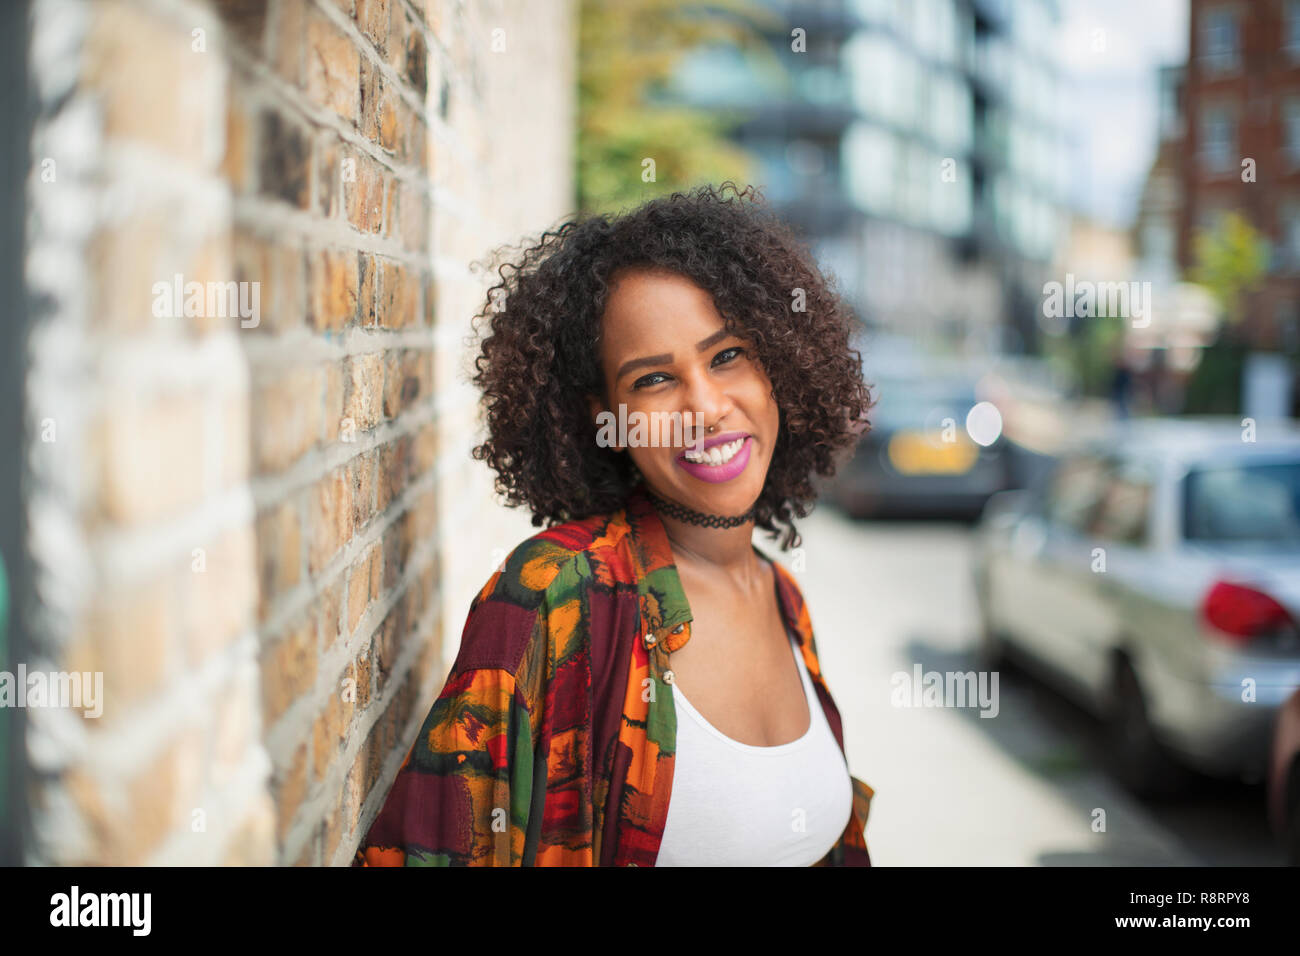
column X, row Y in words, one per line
column 726, row 470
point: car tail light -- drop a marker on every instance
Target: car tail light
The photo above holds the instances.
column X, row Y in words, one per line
column 1243, row 613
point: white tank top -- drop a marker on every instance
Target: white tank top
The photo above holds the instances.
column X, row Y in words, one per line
column 735, row 804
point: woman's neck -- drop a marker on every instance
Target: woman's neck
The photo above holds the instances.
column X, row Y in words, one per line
column 726, row 551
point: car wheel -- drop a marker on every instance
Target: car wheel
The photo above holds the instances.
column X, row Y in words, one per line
column 1139, row 761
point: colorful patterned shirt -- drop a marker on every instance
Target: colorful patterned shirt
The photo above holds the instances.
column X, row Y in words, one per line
column 553, row 740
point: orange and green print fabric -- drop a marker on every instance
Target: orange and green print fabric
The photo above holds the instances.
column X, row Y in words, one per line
column 553, row 739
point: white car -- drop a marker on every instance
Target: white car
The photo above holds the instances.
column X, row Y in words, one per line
column 1154, row 576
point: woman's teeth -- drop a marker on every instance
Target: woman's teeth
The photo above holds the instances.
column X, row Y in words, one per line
column 717, row 455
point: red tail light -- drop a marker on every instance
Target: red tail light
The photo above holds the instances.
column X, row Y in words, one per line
column 1243, row 613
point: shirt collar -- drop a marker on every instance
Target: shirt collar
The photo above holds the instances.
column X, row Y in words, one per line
column 663, row 600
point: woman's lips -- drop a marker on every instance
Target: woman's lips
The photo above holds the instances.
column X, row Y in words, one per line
column 716, row 473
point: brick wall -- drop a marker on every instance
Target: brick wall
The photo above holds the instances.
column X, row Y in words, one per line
column 265, row 534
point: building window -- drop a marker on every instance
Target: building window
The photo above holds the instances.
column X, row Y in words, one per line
column 1219, row 40
column 1291, row 30
column 1290, row 236
column 1218, row 139
column 1291, row 129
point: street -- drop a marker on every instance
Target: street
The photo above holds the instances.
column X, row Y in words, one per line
column 1026, row 787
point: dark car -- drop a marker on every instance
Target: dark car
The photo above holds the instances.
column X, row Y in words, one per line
column 933, row 450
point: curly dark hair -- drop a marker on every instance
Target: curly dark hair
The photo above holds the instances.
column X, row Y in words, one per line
column 541, row 357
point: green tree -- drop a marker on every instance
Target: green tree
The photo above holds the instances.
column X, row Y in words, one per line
column 1230, row 260
column 627, row 52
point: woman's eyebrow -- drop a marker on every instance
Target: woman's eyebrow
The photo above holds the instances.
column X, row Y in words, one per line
column 666, row 357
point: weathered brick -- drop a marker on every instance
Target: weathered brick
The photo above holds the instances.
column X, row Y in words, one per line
column 359, row 589
column 366, row 313
column 279, row 554
column 162, row 797
column 328, row 616
column 129, row 636
column 288, row 668
column 395, row 43
column 417, row 62
column 333, row 284
column 361, row 673
column 355, row 786
column 394, row 470
column 331, row 833
column 430, row 313
column 398, row 295
column 149, row 98
column 389, row 119
column 251, row 261
column 330, row 518
column 219, row 600
column 326, row 177
column 363, row 391
column 413, row 216
column 236, row 163
column 124, row 262
column 373, row 21
column 287, row 55
column 327, row 733
column 233, row 728
column 362, row 477
column 289, row 786
column 234, row 429
column 245, row 19
column 285, row 158
column 333, row 406
column 151, row 457
column 252, row 843
column 288, row 408
column 332, row 67
column 364, row 195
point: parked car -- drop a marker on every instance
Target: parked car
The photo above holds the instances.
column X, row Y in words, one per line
column 1284, row 779
column 1154, row 576
column 919, row 458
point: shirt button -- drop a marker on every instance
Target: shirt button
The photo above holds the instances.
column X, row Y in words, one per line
column 668, row 677
column 678, row 629
column 651, row 640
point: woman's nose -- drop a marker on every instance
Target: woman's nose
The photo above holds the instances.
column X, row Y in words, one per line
column 707, row 402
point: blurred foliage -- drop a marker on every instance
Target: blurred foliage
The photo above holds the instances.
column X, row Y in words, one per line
column 1089, row 353
column 627, row 52
column 1230, row 261
column 1214, row 387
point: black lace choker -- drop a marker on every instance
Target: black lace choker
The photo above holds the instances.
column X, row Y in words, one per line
column 682, row 513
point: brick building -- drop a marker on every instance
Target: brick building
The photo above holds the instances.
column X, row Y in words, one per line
column 1241, row 101
column 262, row 525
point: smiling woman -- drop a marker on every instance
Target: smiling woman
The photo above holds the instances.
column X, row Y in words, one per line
column 564, row 734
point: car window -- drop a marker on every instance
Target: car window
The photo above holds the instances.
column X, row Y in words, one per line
column 1075, row 490
column 1125, row 506
column 1256, row 502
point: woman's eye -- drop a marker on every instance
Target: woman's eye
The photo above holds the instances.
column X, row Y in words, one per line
column 647, row 380
column 726, row 355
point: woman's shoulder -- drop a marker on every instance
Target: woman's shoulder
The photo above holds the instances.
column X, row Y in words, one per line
column 544, row 575
column 534, row 566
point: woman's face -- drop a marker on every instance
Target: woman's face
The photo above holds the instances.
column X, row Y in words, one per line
column 665, row 351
